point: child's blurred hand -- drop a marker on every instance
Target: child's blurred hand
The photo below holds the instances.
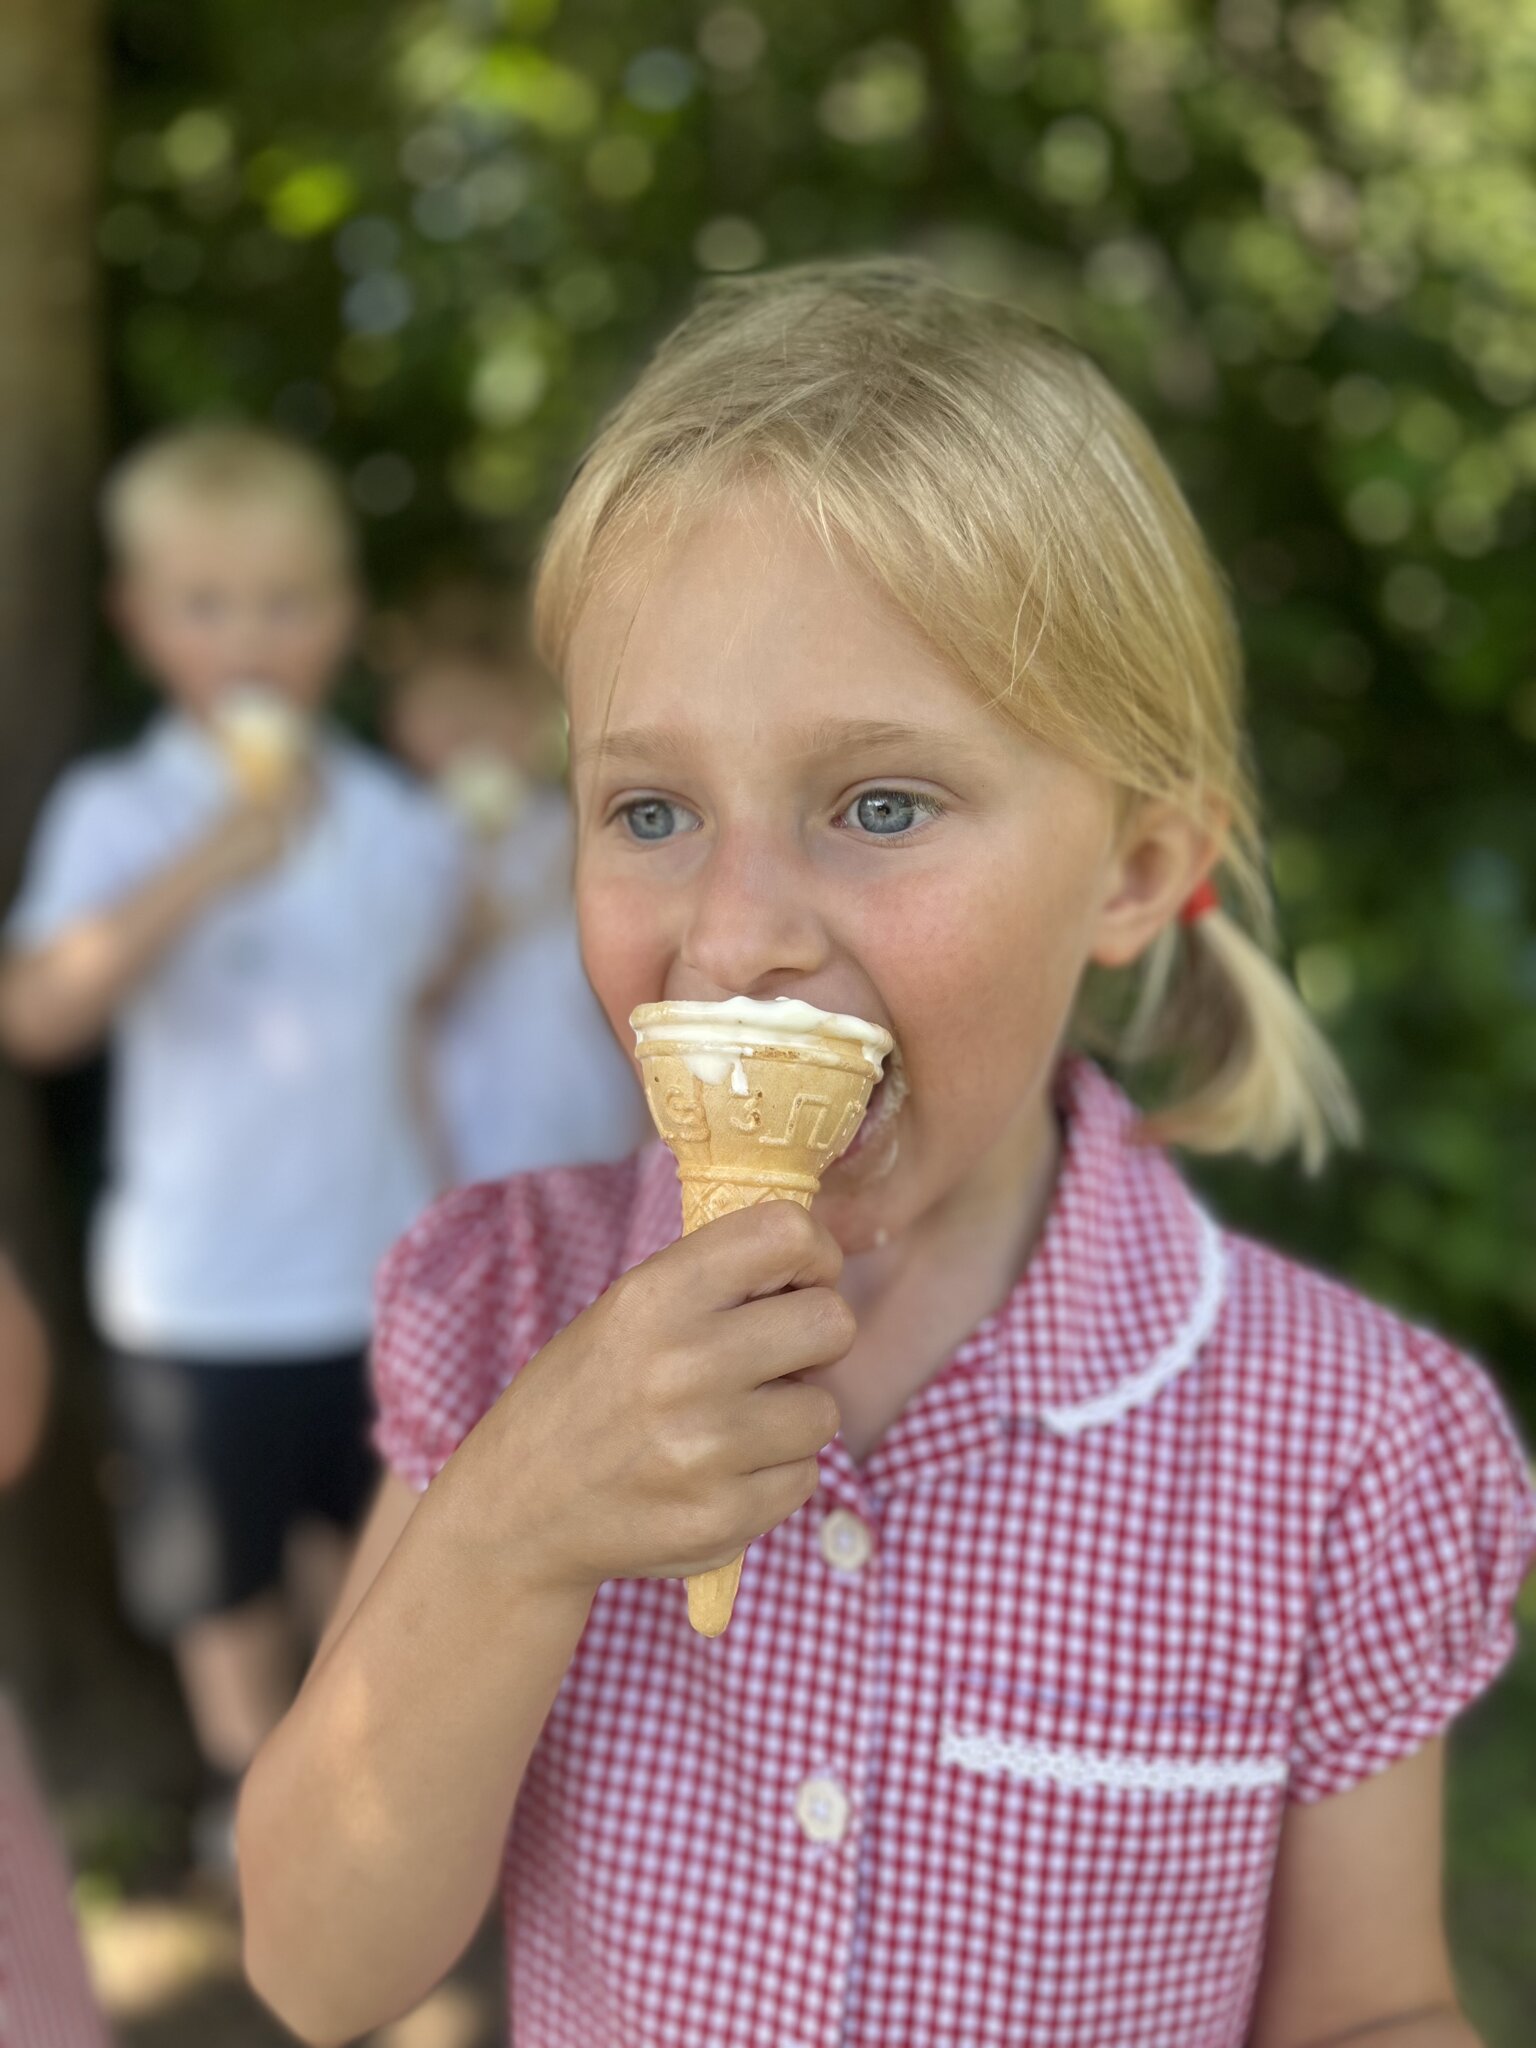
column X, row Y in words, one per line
column 254, row 833
column 664, row 1429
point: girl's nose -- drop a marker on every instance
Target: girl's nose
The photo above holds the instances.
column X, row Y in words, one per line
column 752, row 922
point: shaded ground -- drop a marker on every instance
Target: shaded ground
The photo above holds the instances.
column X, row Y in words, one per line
column 164, row 1949
column 167, row 1970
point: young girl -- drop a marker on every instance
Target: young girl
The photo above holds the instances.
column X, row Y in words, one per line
column 1112, row 1578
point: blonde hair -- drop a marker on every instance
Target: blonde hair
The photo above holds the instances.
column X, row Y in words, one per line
column 218, row 465
column 983, row 472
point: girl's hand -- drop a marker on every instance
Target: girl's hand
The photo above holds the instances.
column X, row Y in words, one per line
column 665, row 1429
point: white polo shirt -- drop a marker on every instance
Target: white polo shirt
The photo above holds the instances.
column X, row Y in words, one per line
column 527, row 1072
column 262, row 1151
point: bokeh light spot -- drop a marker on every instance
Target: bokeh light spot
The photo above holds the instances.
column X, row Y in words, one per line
column 620, row 167
column 729, row 242
column 732, row 38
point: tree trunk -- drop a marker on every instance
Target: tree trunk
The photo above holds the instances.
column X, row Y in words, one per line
column 48, row 392
column 49, row 94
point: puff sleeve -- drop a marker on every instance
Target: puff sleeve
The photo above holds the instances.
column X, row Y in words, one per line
column 456, row 1313
column 1419, row 1565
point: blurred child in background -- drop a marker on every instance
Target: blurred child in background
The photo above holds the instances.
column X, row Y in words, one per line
column 249, row 904
column 524, row 1071
column 45, row 1997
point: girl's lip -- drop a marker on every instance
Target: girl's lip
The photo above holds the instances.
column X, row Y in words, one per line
column 885, row 1105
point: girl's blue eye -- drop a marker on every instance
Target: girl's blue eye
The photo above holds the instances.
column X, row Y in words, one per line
column 652, row 818
column 888, row 813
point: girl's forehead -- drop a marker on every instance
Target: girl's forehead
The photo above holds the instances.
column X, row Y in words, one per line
column 749, row 619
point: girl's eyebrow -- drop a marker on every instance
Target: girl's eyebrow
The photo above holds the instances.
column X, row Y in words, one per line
column 644, row 743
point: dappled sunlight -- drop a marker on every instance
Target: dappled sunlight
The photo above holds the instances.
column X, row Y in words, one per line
column 149, row 1955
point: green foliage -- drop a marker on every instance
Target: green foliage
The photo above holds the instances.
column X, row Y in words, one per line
column 1303, row 238
column 435, row 237
column 1491, row 1856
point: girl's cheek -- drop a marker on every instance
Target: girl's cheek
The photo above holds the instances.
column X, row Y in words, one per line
column 976, row 964
column 622, row 943
column 945, row 941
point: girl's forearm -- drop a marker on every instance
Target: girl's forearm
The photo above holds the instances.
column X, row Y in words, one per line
column 372, row 1823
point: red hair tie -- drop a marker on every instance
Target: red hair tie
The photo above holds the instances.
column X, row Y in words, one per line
column 1199, row 902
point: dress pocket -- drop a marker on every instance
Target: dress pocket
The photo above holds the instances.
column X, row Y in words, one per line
column 1106, row 1861
column 996, row 1726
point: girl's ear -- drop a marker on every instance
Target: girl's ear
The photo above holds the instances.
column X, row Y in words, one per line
column 1162, row 856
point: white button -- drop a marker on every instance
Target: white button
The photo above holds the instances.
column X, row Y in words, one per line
column 821, row 1807
column 845, row 1540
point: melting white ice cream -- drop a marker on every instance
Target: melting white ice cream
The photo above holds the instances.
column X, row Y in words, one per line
column 711, row 1067
column 742, row 1022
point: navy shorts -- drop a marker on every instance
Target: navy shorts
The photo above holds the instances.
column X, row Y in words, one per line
column 217, row 1463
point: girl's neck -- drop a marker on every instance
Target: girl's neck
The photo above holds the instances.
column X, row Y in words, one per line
column 983, row 1231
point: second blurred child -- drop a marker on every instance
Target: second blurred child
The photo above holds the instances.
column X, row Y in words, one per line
column 524, row 1071
column 248, row 904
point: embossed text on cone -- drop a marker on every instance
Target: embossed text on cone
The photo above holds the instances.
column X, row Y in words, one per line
column 753, row 1109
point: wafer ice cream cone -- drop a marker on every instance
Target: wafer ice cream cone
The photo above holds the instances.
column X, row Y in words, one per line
column 263, row 740
column 755, row 1101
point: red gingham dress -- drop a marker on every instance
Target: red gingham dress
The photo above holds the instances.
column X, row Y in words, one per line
column 998, row 1745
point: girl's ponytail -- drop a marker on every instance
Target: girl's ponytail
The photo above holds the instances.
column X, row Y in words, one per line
column 1251, row 1070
